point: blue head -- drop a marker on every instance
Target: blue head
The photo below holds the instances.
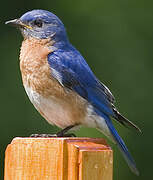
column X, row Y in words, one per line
column 40, row 24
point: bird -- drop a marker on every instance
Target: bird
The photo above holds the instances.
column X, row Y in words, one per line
column 60, row 83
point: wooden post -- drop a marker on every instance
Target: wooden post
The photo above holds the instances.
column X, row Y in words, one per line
column 58, row 159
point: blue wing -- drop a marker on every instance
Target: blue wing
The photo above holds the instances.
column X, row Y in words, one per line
column 71, row 71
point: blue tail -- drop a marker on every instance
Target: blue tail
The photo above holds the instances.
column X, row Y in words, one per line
column 120, row 143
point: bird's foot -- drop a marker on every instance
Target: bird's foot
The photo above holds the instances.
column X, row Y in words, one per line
column 65, row 135
column 52, row 135
column 62, row 133
column 43, row 135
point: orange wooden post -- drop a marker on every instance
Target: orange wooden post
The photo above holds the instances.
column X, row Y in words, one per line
column 58, row 159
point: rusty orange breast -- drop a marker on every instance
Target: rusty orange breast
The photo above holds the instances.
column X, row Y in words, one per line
column 34, row 66
column 36, row 75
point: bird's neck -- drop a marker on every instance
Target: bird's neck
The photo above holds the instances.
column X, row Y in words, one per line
column 60, row 41
column 60, row 44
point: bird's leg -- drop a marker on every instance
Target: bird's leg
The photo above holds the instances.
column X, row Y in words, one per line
column 61, row 133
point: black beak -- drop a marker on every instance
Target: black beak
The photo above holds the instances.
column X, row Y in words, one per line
column 17, row 23
column 14, row 22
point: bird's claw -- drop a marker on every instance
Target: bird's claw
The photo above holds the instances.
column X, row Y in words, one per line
column 43, row 135
column 52, row 135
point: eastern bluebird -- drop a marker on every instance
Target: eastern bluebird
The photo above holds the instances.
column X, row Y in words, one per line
column 59, row 82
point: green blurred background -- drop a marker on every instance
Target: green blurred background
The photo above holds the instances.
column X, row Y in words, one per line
column 116, row 39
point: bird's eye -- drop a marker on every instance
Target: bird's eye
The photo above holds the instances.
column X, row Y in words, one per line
column 38, row 23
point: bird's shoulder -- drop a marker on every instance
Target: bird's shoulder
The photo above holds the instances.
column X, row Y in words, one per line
column 71, row 60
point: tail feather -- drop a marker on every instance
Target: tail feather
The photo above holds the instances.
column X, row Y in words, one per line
column 122, row 147
column 120, row 143
column 124, row 121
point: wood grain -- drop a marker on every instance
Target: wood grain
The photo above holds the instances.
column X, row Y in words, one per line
column 58, row 159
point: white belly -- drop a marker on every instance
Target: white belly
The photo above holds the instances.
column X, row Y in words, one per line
column 57, row 114
column 51, row 109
